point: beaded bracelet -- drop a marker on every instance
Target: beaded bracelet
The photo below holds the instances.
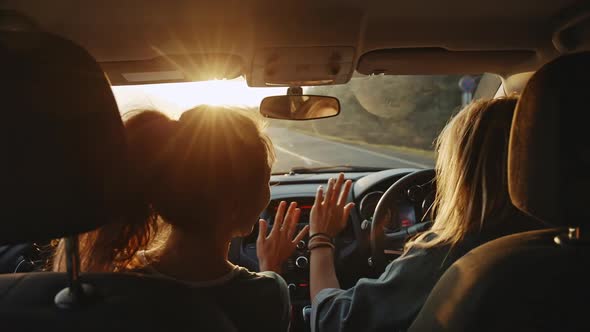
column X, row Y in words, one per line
column 321, row 245
column 320, row 239
column 320, row 235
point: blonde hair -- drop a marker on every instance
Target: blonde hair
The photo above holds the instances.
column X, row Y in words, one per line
column 471, row 172
column 182, row 173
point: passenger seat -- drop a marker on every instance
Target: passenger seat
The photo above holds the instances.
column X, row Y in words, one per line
column 63, row 172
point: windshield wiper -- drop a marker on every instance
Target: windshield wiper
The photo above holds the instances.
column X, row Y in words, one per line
column 334, row 169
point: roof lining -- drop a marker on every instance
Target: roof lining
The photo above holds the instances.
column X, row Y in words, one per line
column 120, row 34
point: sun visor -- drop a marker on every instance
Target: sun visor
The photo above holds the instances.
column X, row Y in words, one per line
column 174, row 68
column 433, row 61
column 301, row 66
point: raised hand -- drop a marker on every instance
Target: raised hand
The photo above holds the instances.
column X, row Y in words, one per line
column 273, row 250
column 330, row 212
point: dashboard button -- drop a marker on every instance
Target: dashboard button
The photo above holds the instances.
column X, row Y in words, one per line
column 301, row 245
column 302, row 262
column 365, row 225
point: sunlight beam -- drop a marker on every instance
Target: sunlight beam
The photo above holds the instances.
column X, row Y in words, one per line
column 173, row 98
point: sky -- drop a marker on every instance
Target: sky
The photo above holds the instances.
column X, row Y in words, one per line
column 174, row 98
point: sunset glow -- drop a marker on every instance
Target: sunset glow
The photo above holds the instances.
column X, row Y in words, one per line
column 174, row 98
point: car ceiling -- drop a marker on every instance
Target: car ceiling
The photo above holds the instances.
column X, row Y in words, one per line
column 226, row 38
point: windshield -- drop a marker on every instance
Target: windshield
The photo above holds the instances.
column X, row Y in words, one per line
column 385, row 121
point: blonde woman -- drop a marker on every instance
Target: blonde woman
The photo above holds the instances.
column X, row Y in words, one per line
column 472, row 206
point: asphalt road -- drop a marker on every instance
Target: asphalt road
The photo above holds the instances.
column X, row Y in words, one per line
column 296, row 149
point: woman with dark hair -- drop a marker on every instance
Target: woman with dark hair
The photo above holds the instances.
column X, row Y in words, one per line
column 197, row 183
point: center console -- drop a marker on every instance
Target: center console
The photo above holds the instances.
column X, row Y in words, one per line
column 296, row 272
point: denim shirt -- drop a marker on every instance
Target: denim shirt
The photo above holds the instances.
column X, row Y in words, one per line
column 391, row 302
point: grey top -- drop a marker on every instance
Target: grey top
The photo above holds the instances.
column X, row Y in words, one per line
column 253, row 301
column 389, row 303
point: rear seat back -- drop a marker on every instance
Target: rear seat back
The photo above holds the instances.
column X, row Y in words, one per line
column 63, row 172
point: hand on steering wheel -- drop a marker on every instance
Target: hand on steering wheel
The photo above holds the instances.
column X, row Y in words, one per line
column 273, row 250
column 330, row 212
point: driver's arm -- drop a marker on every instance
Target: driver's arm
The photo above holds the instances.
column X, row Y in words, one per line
column 322, row 271
column 391, row 301
column 329, row 215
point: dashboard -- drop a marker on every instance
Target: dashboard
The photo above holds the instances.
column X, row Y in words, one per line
column 352, row 244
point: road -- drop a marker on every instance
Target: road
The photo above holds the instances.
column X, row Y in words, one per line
column 294, row 148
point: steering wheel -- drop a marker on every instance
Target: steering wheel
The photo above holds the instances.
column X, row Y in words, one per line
column 388, row 207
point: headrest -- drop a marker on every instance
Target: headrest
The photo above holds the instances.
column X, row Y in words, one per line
column 61, row 139
column 549, row 154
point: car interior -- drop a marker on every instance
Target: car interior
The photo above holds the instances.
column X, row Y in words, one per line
column 65, row 63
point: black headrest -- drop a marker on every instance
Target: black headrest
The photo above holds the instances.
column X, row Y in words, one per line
column 549, row 157
column 61, row 139
column 119, row 302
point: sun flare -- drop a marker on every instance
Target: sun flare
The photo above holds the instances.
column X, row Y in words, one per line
column 174, row 98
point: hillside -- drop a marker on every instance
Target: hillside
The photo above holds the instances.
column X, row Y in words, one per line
column 406, row 111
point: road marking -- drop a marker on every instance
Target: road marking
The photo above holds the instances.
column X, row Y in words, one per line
column 351, row 147
column 382, row 155
column 307, row 161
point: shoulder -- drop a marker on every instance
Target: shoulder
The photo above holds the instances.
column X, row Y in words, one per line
column 425, row 257
column 275, row 277
column 266, row 281
column 423, row 248
column 426, row 246
column 279, row 282
column 266, row 276
column 271, row 292
column 266, row 284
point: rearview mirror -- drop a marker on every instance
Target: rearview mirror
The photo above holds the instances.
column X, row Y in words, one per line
column 299, row 107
